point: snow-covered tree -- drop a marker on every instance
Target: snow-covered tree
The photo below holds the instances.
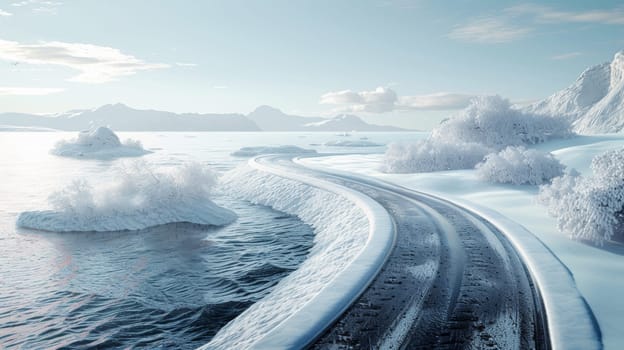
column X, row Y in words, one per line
column 488, row 124
column 519, row 166
column 590, row 208
column 429, row 155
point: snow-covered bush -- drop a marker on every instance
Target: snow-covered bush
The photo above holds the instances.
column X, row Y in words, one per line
column 493, row 122
column 488, row 124
column 590, row 208
column 519, row 166
column 429, row 155
column 100, row 142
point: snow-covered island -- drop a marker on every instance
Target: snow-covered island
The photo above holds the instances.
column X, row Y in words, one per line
column 139, row 196
column 98, row 143
column 258, row 150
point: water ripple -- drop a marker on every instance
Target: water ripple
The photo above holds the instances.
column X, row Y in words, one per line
column 172, row 286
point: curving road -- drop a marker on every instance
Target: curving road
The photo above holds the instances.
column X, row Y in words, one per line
column 452, row 280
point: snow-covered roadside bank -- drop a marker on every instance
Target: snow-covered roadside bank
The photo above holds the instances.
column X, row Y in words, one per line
column 349, row 250
column 596, row 271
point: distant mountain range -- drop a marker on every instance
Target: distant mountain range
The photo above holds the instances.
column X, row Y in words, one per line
column 123, row 118
column 594, row 103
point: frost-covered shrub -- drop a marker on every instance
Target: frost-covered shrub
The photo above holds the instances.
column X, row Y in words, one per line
column 590, row 208
column 519, row 166
column 488, row 124
column 430, row 155
column 491, row 121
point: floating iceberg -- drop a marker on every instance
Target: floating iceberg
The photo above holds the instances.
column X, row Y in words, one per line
column 139, row 197
column 352, row 143
column 100, row 143
column 258, row 150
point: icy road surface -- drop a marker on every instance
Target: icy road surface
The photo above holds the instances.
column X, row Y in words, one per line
column 452, row 281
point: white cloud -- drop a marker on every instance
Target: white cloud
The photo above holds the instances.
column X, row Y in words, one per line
column 5, row 14
column 547, row 14
column 565, row 56
column 40, row 6
column 186, row 64
column 220, row 87
column 96, row 64
column 488, row 31
column 25, row 91
column 377, row 101
column 504, row 27
column 384, row 99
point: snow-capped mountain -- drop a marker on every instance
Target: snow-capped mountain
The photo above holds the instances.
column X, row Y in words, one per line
column 124, row 118
column 594, row 103
column 347, row 122
column 272, row 119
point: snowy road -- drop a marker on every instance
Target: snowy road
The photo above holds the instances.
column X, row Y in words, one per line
column 452, row 280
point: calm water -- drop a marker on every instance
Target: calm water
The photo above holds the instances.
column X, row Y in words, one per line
column 169, row 286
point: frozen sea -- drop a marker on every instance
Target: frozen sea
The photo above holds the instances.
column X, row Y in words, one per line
column 168, row 286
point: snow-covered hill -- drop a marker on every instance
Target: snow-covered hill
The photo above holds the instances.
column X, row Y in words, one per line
column 594, row 103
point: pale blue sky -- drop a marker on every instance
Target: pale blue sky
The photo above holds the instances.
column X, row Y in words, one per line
column 395, row 62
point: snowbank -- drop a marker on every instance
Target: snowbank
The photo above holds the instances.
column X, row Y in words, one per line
column 353, row 238
column 139, row 197
column 488, row 124
column 100, row 143
column 519, row 166
column 255, row 151
column 352, row 143
column 590, row 208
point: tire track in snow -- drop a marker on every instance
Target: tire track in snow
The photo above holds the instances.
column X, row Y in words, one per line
column 452, row 281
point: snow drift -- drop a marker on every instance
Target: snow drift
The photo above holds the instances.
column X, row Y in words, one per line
column 138, row 197
column 98, row 142
column 594, row 103
column 488, row 124
column 590, row 208
column 353, row 236
column 519, row 166
column 258, row 150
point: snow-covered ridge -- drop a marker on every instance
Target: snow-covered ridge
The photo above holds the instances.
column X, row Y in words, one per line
column 258, row 150
column 594, row 103
column 354, row 236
